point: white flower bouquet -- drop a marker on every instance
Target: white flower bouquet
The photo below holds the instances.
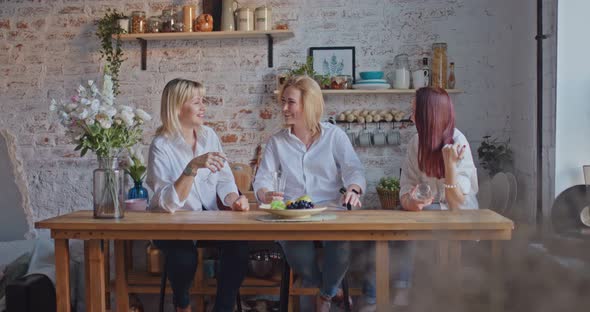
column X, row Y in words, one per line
column 96, row 123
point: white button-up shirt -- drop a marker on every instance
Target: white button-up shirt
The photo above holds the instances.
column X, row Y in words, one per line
column 168, row 156
column 466, row 175
column 320, row 171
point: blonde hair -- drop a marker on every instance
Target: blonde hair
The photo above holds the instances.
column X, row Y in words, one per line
column 176, row 93
column 311, row 99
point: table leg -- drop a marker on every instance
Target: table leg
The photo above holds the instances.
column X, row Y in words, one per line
column 62, row 275
column 122, row 293
column 95, row 281
column 497, row 291
column 382, row 269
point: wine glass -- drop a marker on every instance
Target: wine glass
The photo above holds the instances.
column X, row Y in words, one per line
column 423, row 192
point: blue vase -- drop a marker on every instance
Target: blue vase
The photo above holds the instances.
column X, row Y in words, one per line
column 138, row 191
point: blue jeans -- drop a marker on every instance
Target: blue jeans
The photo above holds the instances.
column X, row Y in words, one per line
column 301, row 256
column 181, row 264
column 403, row 255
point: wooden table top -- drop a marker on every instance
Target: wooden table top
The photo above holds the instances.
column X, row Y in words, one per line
column 215, row 221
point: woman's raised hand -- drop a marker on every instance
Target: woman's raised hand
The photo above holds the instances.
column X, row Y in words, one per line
column 213, row 161
column 452, row 153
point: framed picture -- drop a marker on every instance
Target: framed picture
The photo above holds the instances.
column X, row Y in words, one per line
column 333, row 61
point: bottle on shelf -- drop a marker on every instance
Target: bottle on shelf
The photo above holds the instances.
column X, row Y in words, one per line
column 426, row 71
column 451, row 82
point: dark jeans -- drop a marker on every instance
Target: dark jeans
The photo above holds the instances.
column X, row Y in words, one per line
column 181, row 264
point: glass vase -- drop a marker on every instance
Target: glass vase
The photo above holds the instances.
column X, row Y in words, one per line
column 108, row 189
column 138, row 191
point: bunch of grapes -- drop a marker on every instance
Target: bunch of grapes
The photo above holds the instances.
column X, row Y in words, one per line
column 300, row 204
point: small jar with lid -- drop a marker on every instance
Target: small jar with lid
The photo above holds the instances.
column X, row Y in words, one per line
column 439, row 65
column 154, row 24
column 263, row 18
column 168, row 20
column 138, row 22
column 245, row 19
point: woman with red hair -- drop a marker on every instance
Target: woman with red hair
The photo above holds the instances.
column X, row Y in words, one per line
column 438, row 156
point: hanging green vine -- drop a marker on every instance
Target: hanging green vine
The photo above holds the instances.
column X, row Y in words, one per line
column 107, row 27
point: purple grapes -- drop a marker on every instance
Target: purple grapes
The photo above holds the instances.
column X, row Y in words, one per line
column 300, row 204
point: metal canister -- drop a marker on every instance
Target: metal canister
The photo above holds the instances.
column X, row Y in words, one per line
column 263, row 18
column 245, row 18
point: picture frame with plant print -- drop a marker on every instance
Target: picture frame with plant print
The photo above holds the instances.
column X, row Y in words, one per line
column 333, row 61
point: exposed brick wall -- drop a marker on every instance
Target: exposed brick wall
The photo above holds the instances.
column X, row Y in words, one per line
column 48, row 47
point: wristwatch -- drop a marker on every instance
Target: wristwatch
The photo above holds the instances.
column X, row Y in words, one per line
column 188, row 171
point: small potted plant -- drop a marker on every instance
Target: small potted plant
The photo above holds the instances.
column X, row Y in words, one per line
column 110, row 47
column 494, row 155
column 307, row 69
column 388, row 191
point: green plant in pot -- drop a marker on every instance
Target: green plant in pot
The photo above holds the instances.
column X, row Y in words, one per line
column 388, row 191
column 109, row 32
column 495, row 155
column 306, row 68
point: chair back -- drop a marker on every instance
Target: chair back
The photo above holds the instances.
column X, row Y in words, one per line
column 500, row 192
column 242, row 175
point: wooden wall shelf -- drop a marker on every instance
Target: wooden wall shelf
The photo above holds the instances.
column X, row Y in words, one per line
column 384, row 91
column 269, row 35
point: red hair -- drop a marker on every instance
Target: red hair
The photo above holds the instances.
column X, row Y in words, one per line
column 435, row 121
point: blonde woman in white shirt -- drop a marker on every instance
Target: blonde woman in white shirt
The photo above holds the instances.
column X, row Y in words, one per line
column 187, row 171
column 318, row 160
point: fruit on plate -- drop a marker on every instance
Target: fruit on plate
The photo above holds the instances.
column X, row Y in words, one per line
column 304, row 198
column 301, row 204
column 278, row 204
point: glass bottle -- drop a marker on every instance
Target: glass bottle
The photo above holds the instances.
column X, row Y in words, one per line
column 108, row 189
column 451, row 82
column 138, row 191
column 168, row 20
column 439, row 65
column 426, row 71
column 154, row 24
column 138, row 22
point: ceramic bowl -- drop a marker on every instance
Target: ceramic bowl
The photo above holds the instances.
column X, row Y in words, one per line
column 371, row 75
column 136, row 204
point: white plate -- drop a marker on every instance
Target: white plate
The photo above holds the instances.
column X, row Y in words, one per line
column 292, row 213
column 585, row 216
column 371, row 86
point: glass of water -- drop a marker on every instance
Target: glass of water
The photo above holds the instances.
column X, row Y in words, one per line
column 279, row 180
column 423, row 192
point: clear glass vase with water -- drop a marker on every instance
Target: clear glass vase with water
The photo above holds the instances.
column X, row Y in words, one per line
column 108, row 194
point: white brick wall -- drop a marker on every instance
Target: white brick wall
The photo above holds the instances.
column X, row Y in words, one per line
column 48, row 47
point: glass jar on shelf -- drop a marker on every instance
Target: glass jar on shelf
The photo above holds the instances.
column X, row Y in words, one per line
column 168, row 20
column 154, row 24
column 138, row 22
column 402, row 72
column 439, row 65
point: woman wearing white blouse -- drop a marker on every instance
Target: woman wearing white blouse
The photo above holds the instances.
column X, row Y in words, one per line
column 187, row 171
column 318, row 160
column 440, row 157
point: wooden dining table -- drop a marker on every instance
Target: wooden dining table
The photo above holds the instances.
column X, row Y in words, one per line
column 380, row 226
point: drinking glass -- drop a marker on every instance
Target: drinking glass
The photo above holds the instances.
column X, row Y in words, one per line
column 279, row 180
column 423, row 192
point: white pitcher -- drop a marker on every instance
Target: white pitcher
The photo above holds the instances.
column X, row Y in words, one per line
column 228, row 8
